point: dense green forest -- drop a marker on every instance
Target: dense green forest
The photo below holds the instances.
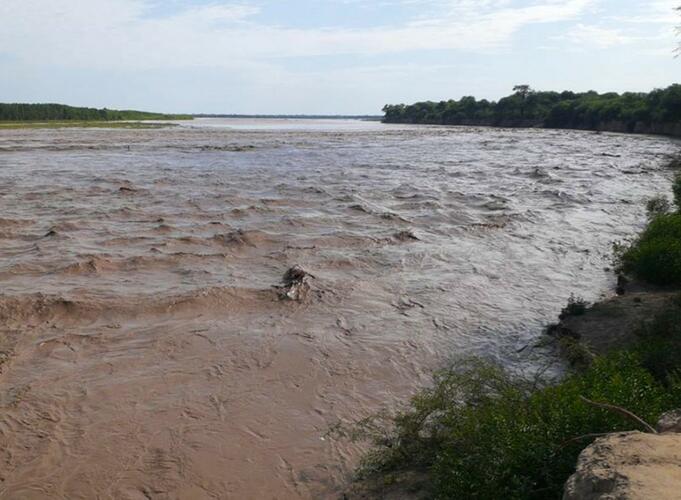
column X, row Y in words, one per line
column 658, row 111
column 16, row 112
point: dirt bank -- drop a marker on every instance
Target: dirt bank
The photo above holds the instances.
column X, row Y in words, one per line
column 612, row 323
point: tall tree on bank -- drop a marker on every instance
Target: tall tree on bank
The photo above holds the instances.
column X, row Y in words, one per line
column 522, row 91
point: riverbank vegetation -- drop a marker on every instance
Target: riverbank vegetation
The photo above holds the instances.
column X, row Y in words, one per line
column 85, row 124
column 655, row 256
column 480, row 432
column 658, row 111
column 18, row 112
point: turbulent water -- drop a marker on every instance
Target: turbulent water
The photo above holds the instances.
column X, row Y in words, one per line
column 146, row 353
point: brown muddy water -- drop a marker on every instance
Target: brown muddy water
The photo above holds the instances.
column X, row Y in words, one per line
column 146, row 353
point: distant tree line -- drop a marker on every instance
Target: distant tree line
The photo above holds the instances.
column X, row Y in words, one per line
column 658, row 111
column 17, row 112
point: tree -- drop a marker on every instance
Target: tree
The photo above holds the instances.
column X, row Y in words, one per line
column 584, row 110
column 522, row 91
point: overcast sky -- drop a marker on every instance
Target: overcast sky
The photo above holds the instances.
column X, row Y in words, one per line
column 325, row 56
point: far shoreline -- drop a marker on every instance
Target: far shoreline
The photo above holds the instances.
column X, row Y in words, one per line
column 675, row 133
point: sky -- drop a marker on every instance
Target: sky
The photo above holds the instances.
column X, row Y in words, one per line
column 326, row 56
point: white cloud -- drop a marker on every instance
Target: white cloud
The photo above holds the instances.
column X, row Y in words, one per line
column 595, row 37
column 116, row 33
column 211, row 14
column 224, row 57
column 658, row 12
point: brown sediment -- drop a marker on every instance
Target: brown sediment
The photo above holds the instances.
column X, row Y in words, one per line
column 145, row 353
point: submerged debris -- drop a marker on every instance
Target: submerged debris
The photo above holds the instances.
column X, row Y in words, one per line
column 359, row 208
column 393, row 216
column 295, row 284
column 486, row 225
column 406, row 236
column 235, row 238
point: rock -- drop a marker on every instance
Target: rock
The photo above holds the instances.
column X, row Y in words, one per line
column 631, row 465
column 669, row 422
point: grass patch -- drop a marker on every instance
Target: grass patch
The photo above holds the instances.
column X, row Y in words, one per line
column 481, row 433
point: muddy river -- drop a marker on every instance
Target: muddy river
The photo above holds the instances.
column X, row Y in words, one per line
column 146, row 353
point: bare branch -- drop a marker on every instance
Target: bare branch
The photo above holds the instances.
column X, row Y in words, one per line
column 585, row 436
column 617, row 409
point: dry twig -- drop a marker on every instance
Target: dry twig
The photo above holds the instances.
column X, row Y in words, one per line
column 617, row 409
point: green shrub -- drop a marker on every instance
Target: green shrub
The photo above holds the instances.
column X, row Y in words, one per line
column 660, row 345
column 656, row 206
column 576, row 306
column 482, row 434
column 656, row 255
column 676, row 188
column 575, row 352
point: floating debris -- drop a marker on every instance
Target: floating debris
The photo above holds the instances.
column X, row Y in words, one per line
column 295, row 284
